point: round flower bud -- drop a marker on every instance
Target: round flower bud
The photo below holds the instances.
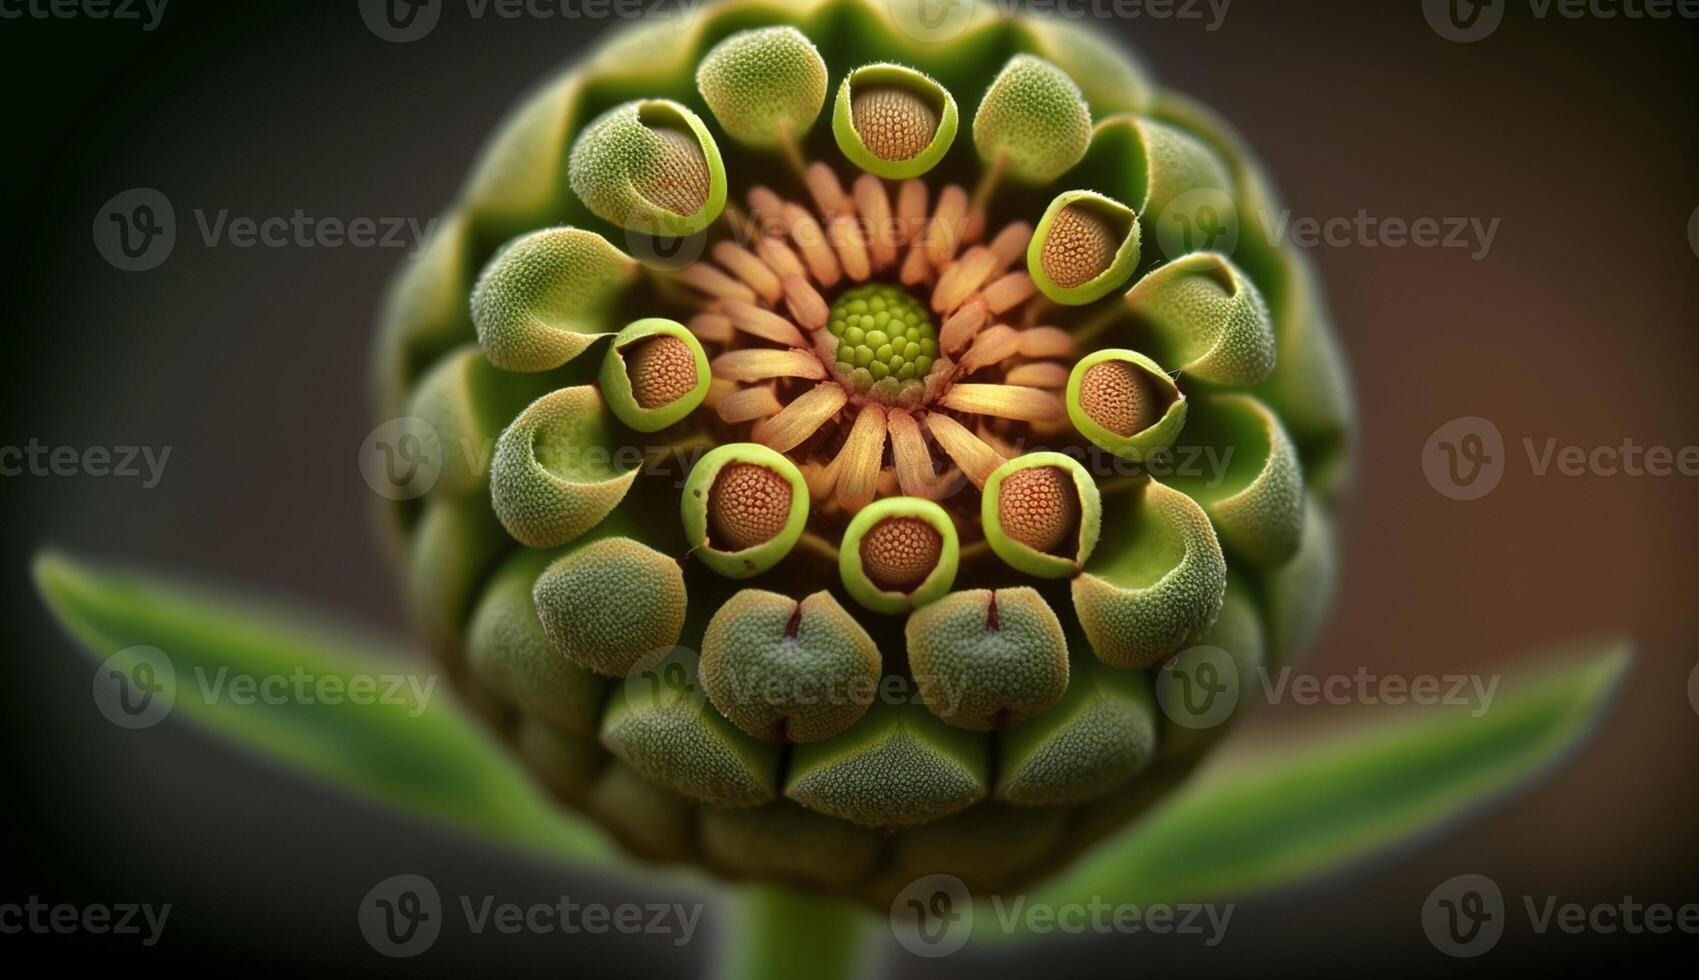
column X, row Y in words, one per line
column 788, row 671
column 985, row 659
column 1042, row 514
column 1125, row 403
column 1085, row 246
column 893, row 122
column 650, row 167
column 654, row 374
column 1033, row 121
column 612, row 605
column 899, row 553
column 763, row 86
column 744, row 507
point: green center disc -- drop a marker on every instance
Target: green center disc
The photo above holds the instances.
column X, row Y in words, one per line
column 886, row 341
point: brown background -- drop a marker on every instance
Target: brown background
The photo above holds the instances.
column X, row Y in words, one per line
column 1579, row 325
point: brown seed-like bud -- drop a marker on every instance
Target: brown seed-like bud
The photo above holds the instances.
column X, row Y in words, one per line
column 1039, row 507
column 748, row 505
column 1080, row 246
column 899, row 553
column 680, row 182
column 662, row 370
column 893, row 123
column 1118, row 396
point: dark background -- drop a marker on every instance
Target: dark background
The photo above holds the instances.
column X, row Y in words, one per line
column 1580, row 325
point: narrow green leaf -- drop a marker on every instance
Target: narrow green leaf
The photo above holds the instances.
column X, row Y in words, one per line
column 417, row 752
column 1292, row 813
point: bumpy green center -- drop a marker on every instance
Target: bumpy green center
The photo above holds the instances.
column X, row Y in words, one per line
column 887, row 342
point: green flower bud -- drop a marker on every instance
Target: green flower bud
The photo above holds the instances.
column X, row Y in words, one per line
column 1085, row 246
column 1124, row 403
column 764, row 86
column 788, row 671
column 1042, row 514
column 984, row 659
column 744, row 507
column 1033, row 121
column 893, row 122
column 654, row 374
column 649, row 167
column 898, row 554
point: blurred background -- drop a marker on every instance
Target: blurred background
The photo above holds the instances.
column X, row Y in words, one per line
column 1573, row 138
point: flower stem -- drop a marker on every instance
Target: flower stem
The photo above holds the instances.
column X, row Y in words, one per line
column 783, row 934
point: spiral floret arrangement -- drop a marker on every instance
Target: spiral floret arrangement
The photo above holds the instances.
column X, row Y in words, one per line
column 854, row 547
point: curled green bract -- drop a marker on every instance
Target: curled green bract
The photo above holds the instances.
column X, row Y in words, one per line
column 649, row 166
column 547, row 296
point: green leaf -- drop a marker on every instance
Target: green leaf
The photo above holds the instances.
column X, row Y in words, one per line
column 1292, row 813
column 417, row 753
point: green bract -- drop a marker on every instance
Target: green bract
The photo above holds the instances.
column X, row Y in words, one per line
column 651, row 167
column 764, row 86
column 905, row 479
column 1033, row 121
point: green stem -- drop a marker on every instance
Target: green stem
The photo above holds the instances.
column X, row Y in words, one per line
column 783, row 934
